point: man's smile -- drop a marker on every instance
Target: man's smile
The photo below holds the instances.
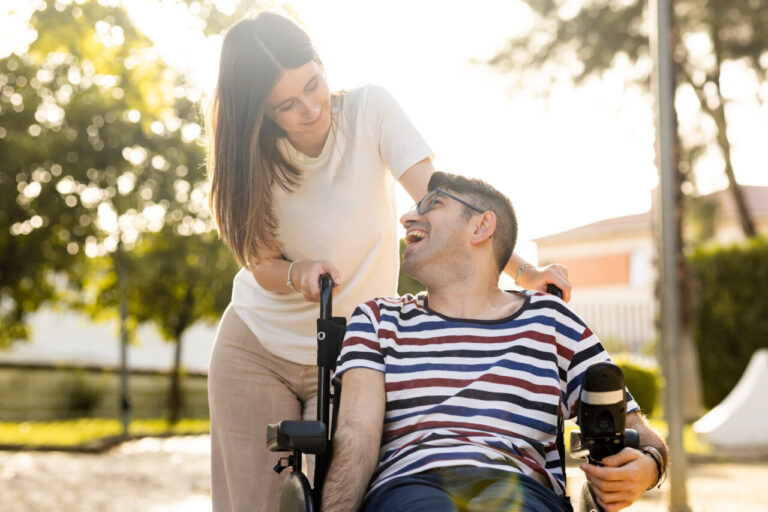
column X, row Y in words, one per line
column 414, row 236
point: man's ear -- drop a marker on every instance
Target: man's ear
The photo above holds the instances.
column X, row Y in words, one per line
column 484, row 228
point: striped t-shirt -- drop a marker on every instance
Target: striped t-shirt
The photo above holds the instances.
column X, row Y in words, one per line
column 483, row 393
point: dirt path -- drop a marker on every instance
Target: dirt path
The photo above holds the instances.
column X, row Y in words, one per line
column 172, row 475
column 148, row 475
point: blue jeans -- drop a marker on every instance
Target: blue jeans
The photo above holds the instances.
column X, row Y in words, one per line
column 465, row 488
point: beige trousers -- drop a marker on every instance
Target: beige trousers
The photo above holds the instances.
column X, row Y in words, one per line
column 249, row 387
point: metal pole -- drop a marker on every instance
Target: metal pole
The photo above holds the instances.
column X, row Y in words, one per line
column 125, row 400
column 663, row 84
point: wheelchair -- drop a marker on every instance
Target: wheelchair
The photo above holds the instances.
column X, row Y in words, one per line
column 312, row 437
column 602, row 422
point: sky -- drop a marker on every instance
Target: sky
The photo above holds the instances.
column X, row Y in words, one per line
column 582, row 155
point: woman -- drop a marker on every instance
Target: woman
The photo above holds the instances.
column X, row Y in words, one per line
column 302, row 184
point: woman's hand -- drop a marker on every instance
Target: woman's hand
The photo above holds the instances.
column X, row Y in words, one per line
column 532, row 278
column 305, row 276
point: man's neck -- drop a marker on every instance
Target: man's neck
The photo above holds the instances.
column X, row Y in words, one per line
column 476, row 299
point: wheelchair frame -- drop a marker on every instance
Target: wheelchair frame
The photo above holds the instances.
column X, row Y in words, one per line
column 316, row 437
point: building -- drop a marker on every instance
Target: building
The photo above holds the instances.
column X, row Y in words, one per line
column 611, row 266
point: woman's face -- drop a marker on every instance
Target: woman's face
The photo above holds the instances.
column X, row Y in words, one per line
column 300, row 103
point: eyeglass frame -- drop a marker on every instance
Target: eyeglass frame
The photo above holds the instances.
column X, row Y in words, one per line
column 437, row 192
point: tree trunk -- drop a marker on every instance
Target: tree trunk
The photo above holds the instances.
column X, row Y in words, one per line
column 745, row 217
column 174, row 393
column 718, row 116
column 122, row 288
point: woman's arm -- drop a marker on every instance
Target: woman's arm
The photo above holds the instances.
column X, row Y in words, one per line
column 272, row 275
column 526, row 275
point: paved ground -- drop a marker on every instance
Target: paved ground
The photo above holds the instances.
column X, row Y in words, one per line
column 172, row 475
column 712, row 487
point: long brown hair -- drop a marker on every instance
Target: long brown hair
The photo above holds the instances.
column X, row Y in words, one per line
column 244, row 162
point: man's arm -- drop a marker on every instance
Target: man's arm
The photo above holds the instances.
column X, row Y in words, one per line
column 357, row 440
column 629, row 473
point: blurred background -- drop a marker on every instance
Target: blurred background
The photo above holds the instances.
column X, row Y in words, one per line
column 112, row 276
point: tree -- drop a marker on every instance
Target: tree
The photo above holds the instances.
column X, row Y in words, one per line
column 97, row 133
column 712, row 37
column 175, row 281
column 103, row 171
column 585, row 40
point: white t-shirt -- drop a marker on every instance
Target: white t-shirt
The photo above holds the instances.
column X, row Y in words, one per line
column 343, row 211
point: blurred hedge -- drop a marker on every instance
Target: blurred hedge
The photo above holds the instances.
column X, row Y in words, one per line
column 730, row 313
column 643, row 382
column 46, row 393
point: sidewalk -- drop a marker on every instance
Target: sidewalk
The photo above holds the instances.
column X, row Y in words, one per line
column 712, row 487
column 173, row 475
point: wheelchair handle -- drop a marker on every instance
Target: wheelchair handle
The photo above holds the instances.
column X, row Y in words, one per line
column 554, row 290
column 326, row 296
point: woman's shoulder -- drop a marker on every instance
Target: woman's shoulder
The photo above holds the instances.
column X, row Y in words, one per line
column 365, row 98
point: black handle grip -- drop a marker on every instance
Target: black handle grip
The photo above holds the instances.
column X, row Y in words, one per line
column 554, row 290
column 326, row 296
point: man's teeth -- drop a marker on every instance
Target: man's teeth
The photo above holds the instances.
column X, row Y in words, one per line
column 415, row 237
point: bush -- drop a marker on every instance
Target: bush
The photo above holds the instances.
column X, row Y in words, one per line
column 642, row 382
column 730, row 312
column 405, row 283
column 82, row 397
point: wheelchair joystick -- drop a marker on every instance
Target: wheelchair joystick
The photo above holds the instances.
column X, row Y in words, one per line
column 602, row 418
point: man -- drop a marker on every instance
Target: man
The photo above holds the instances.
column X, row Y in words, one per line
column 451, row 398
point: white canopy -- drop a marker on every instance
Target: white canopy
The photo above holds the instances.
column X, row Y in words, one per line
column 741, row 419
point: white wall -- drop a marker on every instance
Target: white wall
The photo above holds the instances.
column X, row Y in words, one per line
column 67, row 338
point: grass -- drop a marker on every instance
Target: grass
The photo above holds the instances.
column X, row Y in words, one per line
column 80, row 431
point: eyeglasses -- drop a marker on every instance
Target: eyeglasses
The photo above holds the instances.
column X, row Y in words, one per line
column 428, row 201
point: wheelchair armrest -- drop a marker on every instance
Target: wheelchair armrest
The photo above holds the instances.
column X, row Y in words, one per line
column 305, row 436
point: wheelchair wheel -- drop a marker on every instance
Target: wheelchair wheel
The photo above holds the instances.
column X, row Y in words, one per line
column 588, row 501
column 297, row 494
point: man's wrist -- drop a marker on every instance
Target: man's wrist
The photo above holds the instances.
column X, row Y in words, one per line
column 661, row 471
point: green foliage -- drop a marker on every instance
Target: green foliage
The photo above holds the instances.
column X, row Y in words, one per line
column 215, row 20
column 599, row 34
column 405, row 283
column 52, row 393
column 731, row 312
column 579, row 40
column 99, row 145
column 82, row 397
column 173, row 281
column 643, row 382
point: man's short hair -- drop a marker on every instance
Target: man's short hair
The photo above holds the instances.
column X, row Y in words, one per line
column 486, row 197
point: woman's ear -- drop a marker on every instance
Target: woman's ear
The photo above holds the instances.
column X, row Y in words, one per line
column 484, row 228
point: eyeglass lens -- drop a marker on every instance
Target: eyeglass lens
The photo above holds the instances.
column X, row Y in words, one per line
column 427, row 202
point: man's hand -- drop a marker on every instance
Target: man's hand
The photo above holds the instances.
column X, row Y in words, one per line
column 622, row 478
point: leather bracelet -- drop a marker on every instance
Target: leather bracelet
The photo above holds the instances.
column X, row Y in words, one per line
column 657, row 458
column 289, row 282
